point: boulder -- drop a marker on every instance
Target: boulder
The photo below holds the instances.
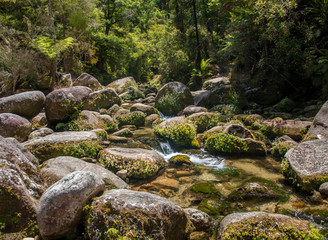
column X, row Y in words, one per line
column 205, row 98
column 136, row 118
column 105, row 98
column 12, row 125
column 56, row 168
column 139, row 163
column 125, row 132
column 76, row 144
column 147, row 215
column 200, row 220
column 172, row 98
column 307, row 164
column 238, row 131
column 26, row 104
column 60, row 208
column 294, row 129
column 64, row 80
column 39, row 121
column 281, row 146
column 192, row 109
column 89, row 81
column 61, row 104
column 215, row 83
column 148, row 110
column 40, row 133
column 132, row 93
column 121, row 84
column 319, row 127
column 323, row 189
column 89, row 120
column 20, row 185
column 205, row 120
column 261, row 225
column 152, row 120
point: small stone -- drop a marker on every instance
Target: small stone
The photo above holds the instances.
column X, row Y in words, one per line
column 122, row 174
column 324, row 188
column 182, row 173
column 316, row 198
column 167, row 183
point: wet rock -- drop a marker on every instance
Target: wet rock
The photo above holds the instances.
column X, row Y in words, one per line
column 192, row 109
column 40, row 133
column 307, row 164
column 148, row 110
column 26, row 104
column 60, row 208
column 87, row 80
column 20, row 185
column 62, row 103
column 56, row 168
column 172, row 98
column 200, row 220
column 140, row 163
column 205, row 120
column 121, row 84
column 105, row 98
column 180, row 160
column 12, row 125
column 136, row 118
column 146, row 214
column 323, row 189
column 281, row 146
column 76, row 144
column 269, row 226
column 319, row 127
column 89, row 120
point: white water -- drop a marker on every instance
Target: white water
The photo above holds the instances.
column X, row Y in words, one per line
column 203, row 159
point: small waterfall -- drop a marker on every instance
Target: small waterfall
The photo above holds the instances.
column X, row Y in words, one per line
column 166, row 148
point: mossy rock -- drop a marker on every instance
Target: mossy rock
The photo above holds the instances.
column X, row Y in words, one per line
column 207, row 188
column 136, row 118
column 215, row 207
column 260, row 225
column 75, row 144
column 132, row 93
column 205, row 120
column 180, row 160
column 285, row 105
column 280, row 148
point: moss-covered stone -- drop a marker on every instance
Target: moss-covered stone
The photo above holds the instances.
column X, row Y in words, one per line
column 285, row 105
column 204, row 121
column 225, row 143
column 180, row 160
column 136, row 118
column 207, row 188
column 215, row 207
column 279, row 149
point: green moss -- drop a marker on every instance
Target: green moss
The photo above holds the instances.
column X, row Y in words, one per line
column 136, row 118
column 179, row 160
column 215, row 207
column 225, row 143
column 206, row 121
column 182, row 134
column 279, row 149
column 207, row 188
column 170, row 104
column 285, row 105
column 134, row 94
column 267, row 228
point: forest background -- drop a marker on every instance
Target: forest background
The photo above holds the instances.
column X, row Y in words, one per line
column 280, row 45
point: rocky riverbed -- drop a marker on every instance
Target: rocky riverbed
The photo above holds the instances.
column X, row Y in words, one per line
column 96, row 162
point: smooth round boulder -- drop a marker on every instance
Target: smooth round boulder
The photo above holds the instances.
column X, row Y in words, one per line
column 172, row 98
column 307, row 164
column 323, row 189
column 56, row 168
column 60, row 208
column 26, row 104
column 139, row 163
column 12, row 125
column 149, row 216
column 105, row 98
column 62, row 103
column 89, row 81
column 192, row 109
column 238, row 131
column 121, row 84
column 261, row 225
column 20, row 185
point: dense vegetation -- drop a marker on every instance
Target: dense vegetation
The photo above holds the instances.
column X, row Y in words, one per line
column 260, row 43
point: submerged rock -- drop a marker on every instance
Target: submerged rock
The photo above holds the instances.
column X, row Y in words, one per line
column 12, row 125
column 56, row 168
column 20, row 186
column 307, row 164
column 139, row 163
column 60, row 208
column 76, row 144
column 172, row 98
column 146, row 215
column 26, row 104
column 252, row 225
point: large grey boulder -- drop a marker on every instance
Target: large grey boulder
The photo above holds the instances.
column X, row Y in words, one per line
column 139, row 163
column 307, row 164
column 12, row 125
column 60, row 208
column 172, row 98
column 105, row 98
column 89, row 81
column 149, row 216
column 122, row 84
column 319, row 127
column 26, row 104
column 62, row 103
column 56, row 168
column 20, row 185
column 261, row 225
column 76, row 144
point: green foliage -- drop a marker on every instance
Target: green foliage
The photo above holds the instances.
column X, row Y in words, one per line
column 170, row 104
column 206, row 121
column 136, row 118
column 50, row 48
column 225, row 143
